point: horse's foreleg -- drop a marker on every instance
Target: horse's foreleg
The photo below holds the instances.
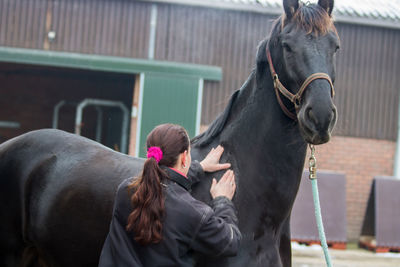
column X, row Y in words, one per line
column 10, row 256
column 31, row 258
column 11, row 241
column 285, row 249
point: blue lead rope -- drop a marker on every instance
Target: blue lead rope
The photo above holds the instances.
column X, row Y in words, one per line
column 320, row 225
column 317, row 207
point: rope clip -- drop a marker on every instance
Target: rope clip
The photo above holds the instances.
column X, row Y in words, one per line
column 312, row 163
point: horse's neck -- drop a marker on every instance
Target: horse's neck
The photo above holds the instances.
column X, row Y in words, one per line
column 267, row 154
column 260, row 125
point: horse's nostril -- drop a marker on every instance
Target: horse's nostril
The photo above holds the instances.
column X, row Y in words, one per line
column 310, row 115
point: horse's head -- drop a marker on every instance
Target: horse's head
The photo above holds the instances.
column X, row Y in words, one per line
column 304, row 42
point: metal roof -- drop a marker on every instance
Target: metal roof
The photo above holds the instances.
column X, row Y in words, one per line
column 384, row 13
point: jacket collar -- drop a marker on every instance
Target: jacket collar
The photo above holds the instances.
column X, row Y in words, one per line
column 178, row 178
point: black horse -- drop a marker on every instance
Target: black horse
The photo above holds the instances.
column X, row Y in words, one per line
column 57, row 189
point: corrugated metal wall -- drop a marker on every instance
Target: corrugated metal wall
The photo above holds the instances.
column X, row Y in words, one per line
column 117, row 28
column 22, row 23
column 368, row 79
column 214, row 37
column 368, row 82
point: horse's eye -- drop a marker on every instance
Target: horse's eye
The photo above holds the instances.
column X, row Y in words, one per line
column 286, row 47
column 337, row 48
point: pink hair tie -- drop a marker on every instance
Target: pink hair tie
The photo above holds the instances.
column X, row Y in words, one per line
column 155, row 152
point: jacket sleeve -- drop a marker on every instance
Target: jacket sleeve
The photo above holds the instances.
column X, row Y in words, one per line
column 118, row 249
column 218, row 233
column 196, row 172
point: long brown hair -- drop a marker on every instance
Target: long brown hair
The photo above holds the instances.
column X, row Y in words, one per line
column 145, row 221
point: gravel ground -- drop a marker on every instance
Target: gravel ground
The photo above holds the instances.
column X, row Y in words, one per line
column 313, row 256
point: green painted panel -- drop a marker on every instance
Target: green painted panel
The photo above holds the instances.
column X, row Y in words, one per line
column 168, row 99
column 106, row 63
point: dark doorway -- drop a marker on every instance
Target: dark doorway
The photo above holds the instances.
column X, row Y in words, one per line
column 29, row 94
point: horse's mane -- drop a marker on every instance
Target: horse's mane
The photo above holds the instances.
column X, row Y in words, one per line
column 311, row 18
column 216, row 127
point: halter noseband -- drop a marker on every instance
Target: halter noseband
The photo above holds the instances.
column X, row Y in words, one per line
column 295, row 99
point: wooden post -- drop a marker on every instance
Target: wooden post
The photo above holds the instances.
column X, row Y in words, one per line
column 134, row 115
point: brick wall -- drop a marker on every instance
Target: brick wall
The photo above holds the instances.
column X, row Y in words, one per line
column 360, row 159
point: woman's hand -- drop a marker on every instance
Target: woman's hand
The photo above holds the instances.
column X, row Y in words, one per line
column 225, row 187
column 211, row 162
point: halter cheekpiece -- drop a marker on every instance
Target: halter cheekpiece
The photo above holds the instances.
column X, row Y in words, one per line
column 294, row 98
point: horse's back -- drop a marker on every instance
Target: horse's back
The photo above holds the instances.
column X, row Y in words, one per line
column 59, row 187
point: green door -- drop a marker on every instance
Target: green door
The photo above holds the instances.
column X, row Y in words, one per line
column 169, row 98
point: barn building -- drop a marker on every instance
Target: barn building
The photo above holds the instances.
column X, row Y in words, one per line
column 95, row 67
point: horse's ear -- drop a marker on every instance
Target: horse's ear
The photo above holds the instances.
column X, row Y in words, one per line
column 327, row 5
column 290, row 7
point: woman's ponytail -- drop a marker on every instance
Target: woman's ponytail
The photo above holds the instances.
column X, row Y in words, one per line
column 148, row 200
column 164, row 144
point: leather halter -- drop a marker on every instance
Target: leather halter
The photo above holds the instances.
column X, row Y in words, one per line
column 294, row 98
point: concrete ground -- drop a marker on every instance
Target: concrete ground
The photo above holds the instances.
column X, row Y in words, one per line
column 313, row 256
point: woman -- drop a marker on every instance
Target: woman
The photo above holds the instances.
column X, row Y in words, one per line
column 156, row 222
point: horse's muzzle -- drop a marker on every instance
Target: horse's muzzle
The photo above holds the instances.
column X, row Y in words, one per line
column 316, row 123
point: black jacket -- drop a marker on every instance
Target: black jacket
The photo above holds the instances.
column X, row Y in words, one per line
column 189, row 225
